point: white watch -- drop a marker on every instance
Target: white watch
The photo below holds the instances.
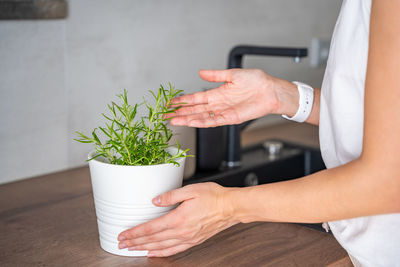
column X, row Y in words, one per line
column 306, row 99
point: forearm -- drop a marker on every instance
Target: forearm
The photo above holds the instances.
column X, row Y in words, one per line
column 288, row 96
column 348, row 191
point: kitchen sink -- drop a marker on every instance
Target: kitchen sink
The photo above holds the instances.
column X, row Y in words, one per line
column 270, row 161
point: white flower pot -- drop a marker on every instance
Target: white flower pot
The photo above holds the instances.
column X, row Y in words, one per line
column 123, row 197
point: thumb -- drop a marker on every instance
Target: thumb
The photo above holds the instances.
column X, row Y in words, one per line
column 216, row 75
column 173, row 197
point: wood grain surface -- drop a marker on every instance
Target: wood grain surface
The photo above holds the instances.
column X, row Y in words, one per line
column 50, row 221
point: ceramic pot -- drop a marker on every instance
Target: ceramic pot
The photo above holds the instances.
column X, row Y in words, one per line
column 123, row 197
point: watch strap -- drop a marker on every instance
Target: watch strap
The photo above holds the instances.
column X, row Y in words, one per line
column 306, row 100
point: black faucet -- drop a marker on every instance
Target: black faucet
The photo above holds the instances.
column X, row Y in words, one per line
column 233, row 149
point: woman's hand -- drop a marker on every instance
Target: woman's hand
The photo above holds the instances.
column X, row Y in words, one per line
column 201, row 215
column 246, row 94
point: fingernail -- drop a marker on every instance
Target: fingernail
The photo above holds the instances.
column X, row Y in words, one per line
column 122, row 245
column 157, row 200
column 121, row 238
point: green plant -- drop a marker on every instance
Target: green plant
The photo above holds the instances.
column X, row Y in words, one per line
column 137, row 142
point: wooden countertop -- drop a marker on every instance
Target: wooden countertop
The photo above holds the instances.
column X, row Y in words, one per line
column 50, row 221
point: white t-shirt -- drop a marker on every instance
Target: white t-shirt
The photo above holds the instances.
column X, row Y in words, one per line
column 373, row 240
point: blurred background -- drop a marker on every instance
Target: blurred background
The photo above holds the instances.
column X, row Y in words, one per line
column 57, row 75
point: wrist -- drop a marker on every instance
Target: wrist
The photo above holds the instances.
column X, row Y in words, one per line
column 236, row 200
column 229, row 205
column 288, row 97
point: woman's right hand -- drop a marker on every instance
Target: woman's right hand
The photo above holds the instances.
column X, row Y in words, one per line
column 246, row 94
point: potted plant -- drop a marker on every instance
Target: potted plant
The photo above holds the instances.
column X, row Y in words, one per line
column 132, row 165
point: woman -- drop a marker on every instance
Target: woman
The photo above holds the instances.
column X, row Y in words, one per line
column 358, row 112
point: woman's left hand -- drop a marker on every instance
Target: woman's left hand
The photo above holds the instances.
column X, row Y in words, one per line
column 202, row 214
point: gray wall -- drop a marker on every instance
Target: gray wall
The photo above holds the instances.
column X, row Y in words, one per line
column 57, row 76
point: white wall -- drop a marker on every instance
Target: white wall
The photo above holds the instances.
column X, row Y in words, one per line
column 57, row 76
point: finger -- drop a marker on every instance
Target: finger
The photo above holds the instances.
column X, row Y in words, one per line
column 169, row 251
column 146, row 229
column 157, row 245
column 192, row 99
column 192, row 110
column 205, row 121
column 157, row 237
column 185, row 111
column 215, row 108
column 185, row 120
column 216, row 75
column 174, row 196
